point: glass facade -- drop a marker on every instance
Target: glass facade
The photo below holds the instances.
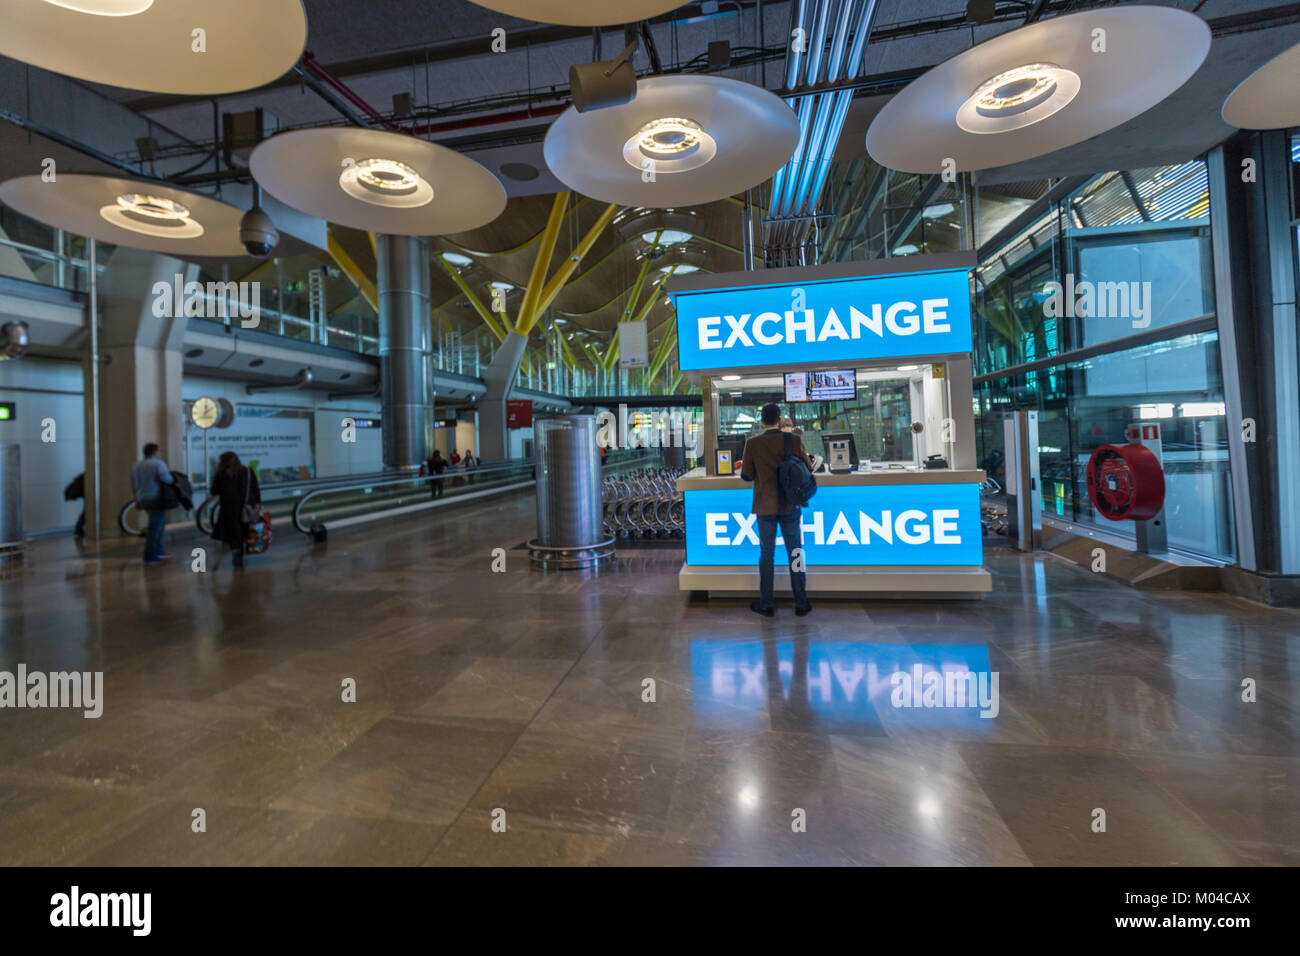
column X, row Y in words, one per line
column 1098, row 314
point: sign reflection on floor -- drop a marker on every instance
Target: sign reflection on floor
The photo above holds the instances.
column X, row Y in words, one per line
column 848, row 686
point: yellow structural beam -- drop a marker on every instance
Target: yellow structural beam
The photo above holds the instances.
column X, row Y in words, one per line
column 565, row 272
column 566, row 353
column 640, row 281
column 541, row 263
column 474, row 300
column 365, row 285
column 663, row 351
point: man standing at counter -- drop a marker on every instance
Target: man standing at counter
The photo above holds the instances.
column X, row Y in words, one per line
column 760, row 463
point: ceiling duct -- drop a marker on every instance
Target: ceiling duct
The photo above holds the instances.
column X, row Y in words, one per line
column 835, row 36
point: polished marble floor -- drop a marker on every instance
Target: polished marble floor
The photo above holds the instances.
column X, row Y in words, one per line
column 518, row 698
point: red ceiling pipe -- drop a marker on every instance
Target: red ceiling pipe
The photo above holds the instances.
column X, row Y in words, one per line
column 310, row 63
column 490, row 120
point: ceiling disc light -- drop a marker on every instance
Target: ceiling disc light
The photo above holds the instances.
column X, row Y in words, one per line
column 153, row 46
column 581, row 13
column 670, row 144
column 404, row 187
column 1017, row 98
column 1267, row 99
column 386, row 182
column 151, row 216
column 686, row 139
column 138, row 213
column 456, row 259
column 1039, row 89
column 105, row 8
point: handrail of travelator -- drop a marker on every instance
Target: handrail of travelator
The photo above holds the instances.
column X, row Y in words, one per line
column 489, row 470
column 518, row 464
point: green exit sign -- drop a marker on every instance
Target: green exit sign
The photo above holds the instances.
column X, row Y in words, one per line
column 7, row 412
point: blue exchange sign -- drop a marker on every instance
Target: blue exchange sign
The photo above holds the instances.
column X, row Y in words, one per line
column 846, row 525
column 830, row 321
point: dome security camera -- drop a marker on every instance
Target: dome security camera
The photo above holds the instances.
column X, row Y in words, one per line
column 257, row 233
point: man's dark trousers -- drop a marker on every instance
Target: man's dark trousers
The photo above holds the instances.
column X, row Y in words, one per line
column 793, row 538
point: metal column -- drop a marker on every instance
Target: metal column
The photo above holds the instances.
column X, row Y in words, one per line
column 1024, row 484
column 402, row 281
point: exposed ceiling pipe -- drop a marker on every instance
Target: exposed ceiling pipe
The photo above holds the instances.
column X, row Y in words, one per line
column 301, row 380
column 313, row 66
column 825, row 103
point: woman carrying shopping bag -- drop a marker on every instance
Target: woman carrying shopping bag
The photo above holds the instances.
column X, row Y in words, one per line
column 240, row 511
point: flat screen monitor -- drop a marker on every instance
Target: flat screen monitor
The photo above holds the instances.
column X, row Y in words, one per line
column 832, row 385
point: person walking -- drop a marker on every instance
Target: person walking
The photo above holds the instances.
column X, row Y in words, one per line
column 470, row 463
column 76, row 491
column 436, row 465
column 455, row 458
column 235, row 485
column 148, row 477
column 761, row 462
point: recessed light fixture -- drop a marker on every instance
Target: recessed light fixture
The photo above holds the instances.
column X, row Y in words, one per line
column 908, row 368
column 105, row 8
column 1018, row 97
column 681, row 270
column 731, row 378
column 670, row 144
column 152, row 216
column 456, row 259
column 386, row 182
column 503, row 286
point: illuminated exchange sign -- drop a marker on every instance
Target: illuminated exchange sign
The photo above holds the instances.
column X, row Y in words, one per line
column 829, row 321
column 846, row 525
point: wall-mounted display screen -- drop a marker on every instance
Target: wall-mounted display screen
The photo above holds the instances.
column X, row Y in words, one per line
column 836, row 385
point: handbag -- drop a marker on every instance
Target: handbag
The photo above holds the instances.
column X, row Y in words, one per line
column 249, row 514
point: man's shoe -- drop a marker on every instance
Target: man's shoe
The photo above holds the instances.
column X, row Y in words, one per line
column 163, row 554
column 759, row 609
column 801, row 611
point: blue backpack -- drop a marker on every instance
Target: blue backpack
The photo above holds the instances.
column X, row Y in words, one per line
column 798, row 484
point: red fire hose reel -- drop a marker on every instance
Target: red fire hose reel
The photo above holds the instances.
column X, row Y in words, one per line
column 1126, row 481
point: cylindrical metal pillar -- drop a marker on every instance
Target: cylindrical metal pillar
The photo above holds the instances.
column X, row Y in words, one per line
column 11, row 501
column 570, row 514
column 404, row 328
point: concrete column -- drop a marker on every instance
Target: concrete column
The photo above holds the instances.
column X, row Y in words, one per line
column 140, row 373
column 404, row 344
column 499, row 377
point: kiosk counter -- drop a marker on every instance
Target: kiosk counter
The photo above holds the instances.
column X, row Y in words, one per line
column 875, row 533
column 879, row 527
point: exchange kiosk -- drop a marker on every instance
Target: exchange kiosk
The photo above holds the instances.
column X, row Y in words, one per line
column 873, row 360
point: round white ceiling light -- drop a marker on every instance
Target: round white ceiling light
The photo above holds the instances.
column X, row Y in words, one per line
column 581, row 13
column 1039, row 89
column 378, row 181
column 138, row 213
column 666, row 237
column 105, row 8
column 386, row 182
column 458, row 260
column 186, row 47
column 1270, row 97
column 686, row 139
column 1017, row 98
column 670, row 144
column 152, row 216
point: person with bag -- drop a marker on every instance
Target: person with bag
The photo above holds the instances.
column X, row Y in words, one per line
column 76, row 491
column 780, row 469
column 149, row 477
column 240, row 503
column 436, row 465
